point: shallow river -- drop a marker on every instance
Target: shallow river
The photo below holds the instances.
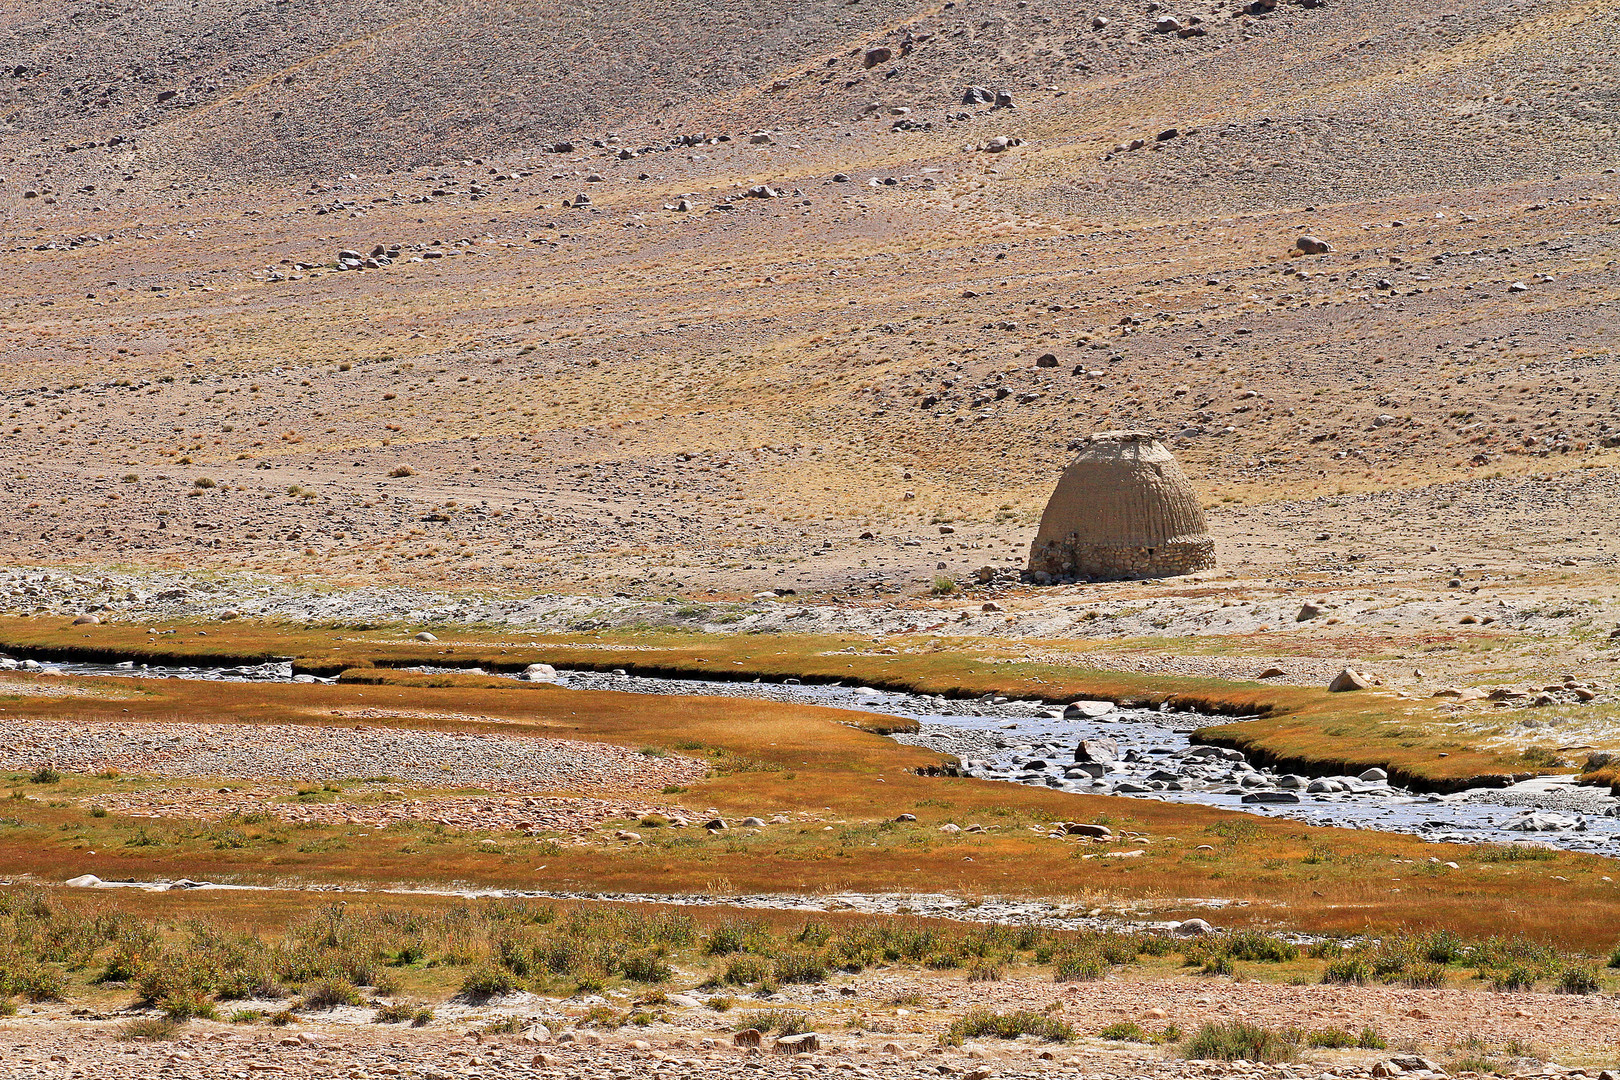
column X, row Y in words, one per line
column 1136, row 754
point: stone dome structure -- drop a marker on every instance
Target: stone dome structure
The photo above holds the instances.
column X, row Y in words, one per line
column 1123, row 509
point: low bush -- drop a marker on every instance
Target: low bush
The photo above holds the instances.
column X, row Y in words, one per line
column 1347, row 970
column 1578, row 980
column 329, row 994
column 782, row 1021
column 1241, row 1040
column 1124, row 1031
column 488, row 981
column 982, row 1023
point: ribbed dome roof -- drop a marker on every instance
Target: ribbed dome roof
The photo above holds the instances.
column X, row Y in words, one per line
column 1123, row 490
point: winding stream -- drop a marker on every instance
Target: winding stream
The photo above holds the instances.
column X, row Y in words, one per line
column 1136, row 753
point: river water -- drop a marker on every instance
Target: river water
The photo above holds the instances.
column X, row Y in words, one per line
column 1138, row 753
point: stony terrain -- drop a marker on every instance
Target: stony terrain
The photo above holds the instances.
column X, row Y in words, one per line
column 420, row 758
column 883, row 1039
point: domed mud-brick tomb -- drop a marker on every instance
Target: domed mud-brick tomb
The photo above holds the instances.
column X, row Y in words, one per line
column 1122, row 510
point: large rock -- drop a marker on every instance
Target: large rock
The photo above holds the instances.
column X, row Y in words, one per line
column 1097, row 751
column 1089, row 709
column 540, row 673
column 1349, row 679
column 1311, row 245
column 1271, row 797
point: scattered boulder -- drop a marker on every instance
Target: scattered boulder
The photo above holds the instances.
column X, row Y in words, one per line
column 798, row 1044
column 1273, row 672
column 1167, row 24
column 1348, row 679
column 747, row 1037
column 1046, row 360
column 1312, row 245
column 1089, row 709
column 86, row 620
column 1097, row 751
column 425, row 636
column 1271, row 797
column 752, row 823
column 83, row 881
column 1374, row 776
column 716, row 824
column 1004, row 100
column 1192, row 928
column 540, row 673
column 1307, row 612
column 1084, row 828
column 881, row 54
column 977, row 95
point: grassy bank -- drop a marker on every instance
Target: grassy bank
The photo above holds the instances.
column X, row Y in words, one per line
column 1302, row 729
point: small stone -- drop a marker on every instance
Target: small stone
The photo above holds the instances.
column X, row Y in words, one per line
column 882, row 54
column 1046, row 360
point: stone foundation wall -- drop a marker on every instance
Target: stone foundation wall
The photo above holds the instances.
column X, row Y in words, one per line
column 1065, row 560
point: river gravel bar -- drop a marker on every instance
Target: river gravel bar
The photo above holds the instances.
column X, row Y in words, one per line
column 425, row 759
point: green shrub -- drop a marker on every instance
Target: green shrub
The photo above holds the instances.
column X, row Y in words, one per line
column 1347, row 970
column 1260, row 947
column 785, row 1021
column 745, row 969
column 1516, row 978
column 1371, row 1040
column 1218, row 964
column 1124, row 1031
column 152, row 1028
column 647, row 968
column 1330, row 1039
column 44, row 775
column 982, row 1023
column 799, row 967
column 397, row 1013
column 329, row 994
column 1424, row 976
column 1079, row 967
column 1241, row 1040
column 487, row 982
column 1578, row 980
column 985, row 971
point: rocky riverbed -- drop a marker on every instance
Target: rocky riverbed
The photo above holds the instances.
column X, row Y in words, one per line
column 1098, row 748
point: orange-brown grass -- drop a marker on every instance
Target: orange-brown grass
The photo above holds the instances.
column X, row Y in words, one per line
column 1306, row 729
column 841, row 783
